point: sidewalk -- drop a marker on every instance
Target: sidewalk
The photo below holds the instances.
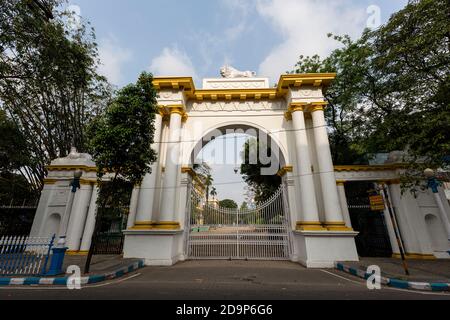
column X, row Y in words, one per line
column 100, row 264
column 103, row 268
column 420, row 270
column 426, row 275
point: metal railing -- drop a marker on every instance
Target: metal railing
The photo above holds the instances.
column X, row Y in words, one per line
column 261, row 233
column 20, row 255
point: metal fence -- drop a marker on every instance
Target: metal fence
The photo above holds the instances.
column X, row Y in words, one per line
column 260, row 233
column 20, row 255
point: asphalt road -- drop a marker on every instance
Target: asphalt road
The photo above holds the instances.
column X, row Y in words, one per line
column 225, row 280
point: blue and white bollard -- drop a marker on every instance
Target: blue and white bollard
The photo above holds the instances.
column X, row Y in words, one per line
column 56, row 265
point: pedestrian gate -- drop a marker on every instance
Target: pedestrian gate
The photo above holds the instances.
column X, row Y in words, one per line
column 259, row 233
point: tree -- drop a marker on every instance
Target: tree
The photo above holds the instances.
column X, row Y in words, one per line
column 120, row 143
column 392, row 88
column 244, row 206
column 213, row 192
column 264, row 186
column 208, row 183
column 49, row 86
column 14, row 188
column 228, row 203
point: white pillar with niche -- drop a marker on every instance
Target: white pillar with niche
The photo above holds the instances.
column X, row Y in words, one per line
column 157, row 236
column 318, row 244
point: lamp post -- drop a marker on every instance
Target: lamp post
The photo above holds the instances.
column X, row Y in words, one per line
column 434, row 184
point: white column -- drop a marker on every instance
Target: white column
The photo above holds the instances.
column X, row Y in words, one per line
column 309, row 219
column 391, row 228
column 78, row 217
column 344, row 204
column 90, row 222
column 333, row 213
column 170, row 187
column 443, row 213
column 146, row 198
column 133, row 207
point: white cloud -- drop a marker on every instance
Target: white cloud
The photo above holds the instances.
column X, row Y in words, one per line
column 304, row 26
column 112, row 58
column 172, row 62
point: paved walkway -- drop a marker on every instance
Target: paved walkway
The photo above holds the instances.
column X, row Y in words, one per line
column 420, row 270
column 100, row 264
column 225, row 280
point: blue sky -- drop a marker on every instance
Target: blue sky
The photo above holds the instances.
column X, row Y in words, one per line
column 195, row 38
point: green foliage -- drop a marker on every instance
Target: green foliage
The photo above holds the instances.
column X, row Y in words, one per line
column 16, row 190
column 49, row 84
column 121, row 138
column 13, row 154
column 392, row 88
column 228, row 203
column 264, row 186
column 244, row 206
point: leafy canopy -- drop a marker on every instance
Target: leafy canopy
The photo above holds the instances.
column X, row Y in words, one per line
column 392, row 88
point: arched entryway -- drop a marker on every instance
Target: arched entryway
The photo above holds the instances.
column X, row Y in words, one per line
column 257, row 231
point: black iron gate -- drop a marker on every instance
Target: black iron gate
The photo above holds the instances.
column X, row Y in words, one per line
column 373, row 239
column 110, row 238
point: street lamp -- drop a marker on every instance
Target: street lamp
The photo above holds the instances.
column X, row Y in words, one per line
column 434, row 184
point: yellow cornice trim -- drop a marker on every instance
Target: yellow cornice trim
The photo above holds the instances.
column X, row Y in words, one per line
column 297, row 80
column 174, row 83
column 235, row 94
column 286, row 81
column 71, row 168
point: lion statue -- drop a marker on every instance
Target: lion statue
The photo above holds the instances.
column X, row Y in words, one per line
column 230, row 72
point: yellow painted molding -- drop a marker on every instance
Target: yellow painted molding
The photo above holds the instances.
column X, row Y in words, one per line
column 283, row 171
column 310, row 226
column 77, row 253
column 71, row 168
column 341, row 182
column 415, row 256
column 143, row 225
column 306, row 107
column 235, row 94
column 174, row 83
column 166, row 225
column 337, row 226
column 186, row 84
column 367, row 168
column 297, row 80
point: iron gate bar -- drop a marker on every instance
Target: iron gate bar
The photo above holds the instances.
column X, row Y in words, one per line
column 261, row 233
